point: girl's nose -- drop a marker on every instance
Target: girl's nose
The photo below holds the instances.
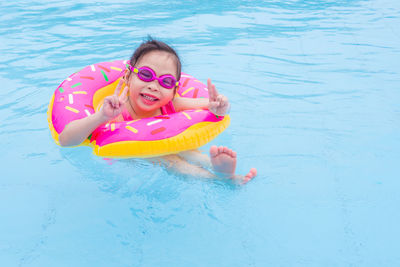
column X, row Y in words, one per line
column 153, row 85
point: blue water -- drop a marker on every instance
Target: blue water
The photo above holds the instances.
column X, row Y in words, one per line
column 315, row 93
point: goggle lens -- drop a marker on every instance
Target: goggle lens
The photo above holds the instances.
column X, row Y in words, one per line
column 145, row 75
column 168, row 82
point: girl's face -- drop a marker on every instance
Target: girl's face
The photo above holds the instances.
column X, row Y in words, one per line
column 148, row 97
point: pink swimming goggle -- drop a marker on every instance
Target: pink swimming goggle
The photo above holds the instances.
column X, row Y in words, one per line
column 146, row 74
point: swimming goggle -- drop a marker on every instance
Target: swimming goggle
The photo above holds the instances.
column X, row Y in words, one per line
column 146, row 74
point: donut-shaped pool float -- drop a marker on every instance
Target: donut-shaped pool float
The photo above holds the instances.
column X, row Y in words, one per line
column 82, row 93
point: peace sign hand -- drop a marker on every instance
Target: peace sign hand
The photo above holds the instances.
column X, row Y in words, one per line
column 218, row 104
column 114, row 104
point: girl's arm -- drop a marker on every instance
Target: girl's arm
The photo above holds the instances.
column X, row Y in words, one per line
column 216, row 103
column 77, row 131
column 184, row 103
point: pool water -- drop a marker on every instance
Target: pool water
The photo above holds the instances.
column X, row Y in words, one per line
column 315, row 94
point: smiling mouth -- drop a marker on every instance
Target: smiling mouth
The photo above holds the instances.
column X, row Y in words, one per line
column 149, row 98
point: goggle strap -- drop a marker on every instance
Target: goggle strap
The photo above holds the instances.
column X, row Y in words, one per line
column 128, row 66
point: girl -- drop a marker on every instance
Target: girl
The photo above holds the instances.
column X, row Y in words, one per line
column 150, row 87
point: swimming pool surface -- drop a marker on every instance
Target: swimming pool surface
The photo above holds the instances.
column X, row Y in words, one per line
column 315, row 93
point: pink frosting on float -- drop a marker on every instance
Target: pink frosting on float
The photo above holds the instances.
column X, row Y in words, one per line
column 73, row 100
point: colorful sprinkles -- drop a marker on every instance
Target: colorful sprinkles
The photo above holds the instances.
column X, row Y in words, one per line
column 103, row 68
column 104, row 75
column 187, row 90
column 75, row 85
column 196, row 91
column 154, row 122
column 186, row 115
column 71, row 109
column 162, row 117
column 87, row 77
column 158, row 130
column 115, row 68
column 185, row 82
column 129, row 122
column 130, row 128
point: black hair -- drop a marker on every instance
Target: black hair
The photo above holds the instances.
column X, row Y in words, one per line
column 154, row 45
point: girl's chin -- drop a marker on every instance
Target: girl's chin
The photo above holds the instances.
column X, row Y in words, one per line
column 146, row 108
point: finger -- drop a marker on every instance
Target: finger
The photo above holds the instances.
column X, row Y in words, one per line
column 124, row 94
column 214, row 89
column 112, row 101
column 118, row 88
column 211, row 90
column 115, row 102
column 219, row 99
column 224, row 101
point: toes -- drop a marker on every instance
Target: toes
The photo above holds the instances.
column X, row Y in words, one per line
column 213, row 151
column 247, row 178
column 253, row 171
column 230, row 152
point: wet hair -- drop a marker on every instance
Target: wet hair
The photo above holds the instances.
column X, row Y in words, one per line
column 155, row 45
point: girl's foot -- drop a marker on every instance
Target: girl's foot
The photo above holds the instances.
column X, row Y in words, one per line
column 224, row 160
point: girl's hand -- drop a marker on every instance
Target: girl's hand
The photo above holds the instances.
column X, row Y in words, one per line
column 114, row 104
column 218, row 104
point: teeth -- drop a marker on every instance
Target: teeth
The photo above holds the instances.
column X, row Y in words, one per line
column 149, row 98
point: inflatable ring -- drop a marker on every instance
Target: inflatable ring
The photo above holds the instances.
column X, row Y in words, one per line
column 81, row 95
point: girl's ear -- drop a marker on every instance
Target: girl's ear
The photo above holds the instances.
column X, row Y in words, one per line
column 126, row 76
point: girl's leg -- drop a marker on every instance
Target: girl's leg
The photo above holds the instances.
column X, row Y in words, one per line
column 223, row 162
column 178, row 164
column 197, row 157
